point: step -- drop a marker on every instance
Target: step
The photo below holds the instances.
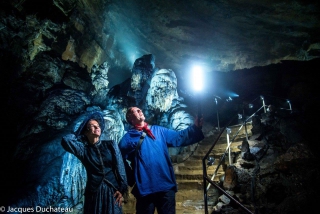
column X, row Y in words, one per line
column 190, row 194
column 200, row 153
column 209, row 140
column 216, row 147
column 196, row 166
column 200, row 157
column 216, row 155
column 221, row 146
column 209, row 171
column 193, row 204
column 195, row 169
column 197, row 195
column 196, row 174
column 195, row 201
column 198, row 162
column 198, row 170
column 193, row 184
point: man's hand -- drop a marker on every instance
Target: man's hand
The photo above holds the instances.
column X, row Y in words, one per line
column 198, row 121
column 119, row 198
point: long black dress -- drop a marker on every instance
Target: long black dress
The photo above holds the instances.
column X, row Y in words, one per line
column 105, row 172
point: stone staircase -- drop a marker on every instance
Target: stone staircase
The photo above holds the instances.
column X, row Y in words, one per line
column 189, row 173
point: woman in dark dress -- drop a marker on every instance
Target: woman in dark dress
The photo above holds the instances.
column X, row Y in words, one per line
column 106, row 177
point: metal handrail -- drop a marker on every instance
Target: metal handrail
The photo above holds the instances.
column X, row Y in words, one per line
column 205, row 170
column 205, row 176
column 229, row 144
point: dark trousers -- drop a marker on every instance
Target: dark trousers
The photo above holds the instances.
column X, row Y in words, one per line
column 165, row 202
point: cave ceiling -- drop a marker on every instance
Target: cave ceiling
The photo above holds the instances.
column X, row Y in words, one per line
column 221, row 35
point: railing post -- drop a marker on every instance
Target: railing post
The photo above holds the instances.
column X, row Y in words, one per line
column 288, row 101
column 264, row 105
column 228, row 141
column 217, row 114
column 204, row 187
column 245, row 128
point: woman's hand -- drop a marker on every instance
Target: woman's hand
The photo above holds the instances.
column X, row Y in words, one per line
column 118, row 197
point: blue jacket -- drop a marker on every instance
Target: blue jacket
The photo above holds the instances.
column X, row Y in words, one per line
column 154, row 171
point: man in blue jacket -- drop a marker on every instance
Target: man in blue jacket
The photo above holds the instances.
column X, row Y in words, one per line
column 155, row 186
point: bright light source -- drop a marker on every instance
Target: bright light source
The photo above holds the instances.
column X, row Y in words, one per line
column 197, row 78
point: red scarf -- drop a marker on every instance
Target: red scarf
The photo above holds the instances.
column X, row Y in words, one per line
column 145, row 129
